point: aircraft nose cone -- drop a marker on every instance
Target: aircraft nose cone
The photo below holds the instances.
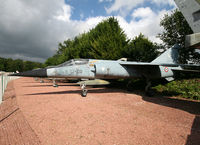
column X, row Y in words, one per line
column 33, row 73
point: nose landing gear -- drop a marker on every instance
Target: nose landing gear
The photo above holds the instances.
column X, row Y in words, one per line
column 84, row 90
column 54, row 83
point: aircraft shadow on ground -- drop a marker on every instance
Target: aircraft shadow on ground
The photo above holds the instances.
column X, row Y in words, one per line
column 188, row 106
column 185, row 105
column 78, row 91
column 49, row 85
column 194, row 137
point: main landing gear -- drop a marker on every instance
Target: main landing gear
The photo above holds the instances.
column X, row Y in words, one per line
column 54, row 83
column 84, row 90
column 148, row 90
column 41, row 80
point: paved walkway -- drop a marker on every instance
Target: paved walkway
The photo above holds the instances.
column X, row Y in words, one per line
column 60, row 116
column 14, row 129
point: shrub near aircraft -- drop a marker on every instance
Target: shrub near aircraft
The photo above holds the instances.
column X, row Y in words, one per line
column 164, row 66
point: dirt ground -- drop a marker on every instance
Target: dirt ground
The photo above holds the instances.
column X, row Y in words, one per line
column 60, row 116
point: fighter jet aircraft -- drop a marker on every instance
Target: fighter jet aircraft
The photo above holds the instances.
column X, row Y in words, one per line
column 164, row 66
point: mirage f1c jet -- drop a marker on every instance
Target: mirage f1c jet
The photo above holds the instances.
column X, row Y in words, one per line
column 163, row 66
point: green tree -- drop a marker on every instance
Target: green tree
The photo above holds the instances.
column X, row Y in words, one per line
column 10, row 65
column 63, row 53
column 175, row 30
column 141, row 49
column 28, row 65
column 2, row 64
column 19, row 66
column 107, row 40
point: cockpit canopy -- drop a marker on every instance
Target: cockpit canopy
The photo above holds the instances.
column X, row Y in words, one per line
column 74, row 62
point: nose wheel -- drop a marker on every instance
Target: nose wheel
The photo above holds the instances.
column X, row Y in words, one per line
column 41, row 80
column 84, row 90
column 54, row 83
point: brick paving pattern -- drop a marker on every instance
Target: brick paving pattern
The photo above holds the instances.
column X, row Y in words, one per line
column 60, row 116
column 14, row 129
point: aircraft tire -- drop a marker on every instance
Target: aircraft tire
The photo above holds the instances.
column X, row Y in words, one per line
column 84, row 93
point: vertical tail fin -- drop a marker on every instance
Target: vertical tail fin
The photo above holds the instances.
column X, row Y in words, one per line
column 170, row 56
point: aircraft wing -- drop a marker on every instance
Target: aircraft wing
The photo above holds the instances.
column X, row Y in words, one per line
column 186, row 70
column 146, row 70
column 161, row 64
column 184, row 66
column 137, row 64
column 152, row 70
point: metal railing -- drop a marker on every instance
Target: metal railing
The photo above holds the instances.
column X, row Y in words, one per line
column 4, row 79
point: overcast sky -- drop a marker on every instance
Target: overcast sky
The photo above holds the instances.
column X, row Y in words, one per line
column 32, row 29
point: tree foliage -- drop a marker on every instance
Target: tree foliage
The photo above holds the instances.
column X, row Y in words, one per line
column 175, row 30
column 106, row 41
column 141, row 49
column 10, row 65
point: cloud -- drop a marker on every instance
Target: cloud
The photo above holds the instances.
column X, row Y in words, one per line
column 31, row 30
column 143, row 13
column 164, row 2
column 148, row 23
column 64, row 14
column 81, row 16
column 105, row 1
column 125, row 6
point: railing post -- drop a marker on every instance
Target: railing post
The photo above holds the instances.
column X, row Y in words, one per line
column 4, row 79
column 1, row 88
column 3, row 84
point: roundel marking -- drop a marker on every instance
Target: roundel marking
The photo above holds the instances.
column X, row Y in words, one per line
column 166, row 69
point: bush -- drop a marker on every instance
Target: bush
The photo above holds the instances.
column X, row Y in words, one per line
column 189, row 89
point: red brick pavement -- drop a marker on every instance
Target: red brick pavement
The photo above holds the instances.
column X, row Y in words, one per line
column 60, row 116
column 14, row 129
